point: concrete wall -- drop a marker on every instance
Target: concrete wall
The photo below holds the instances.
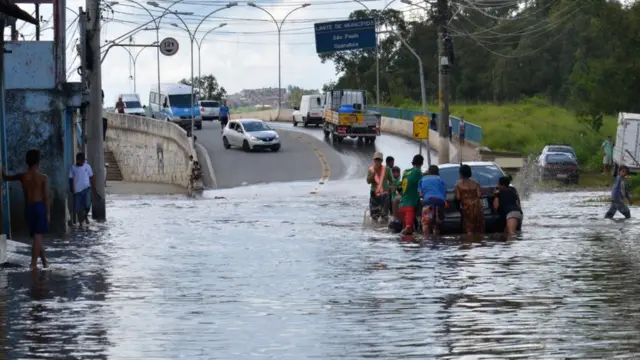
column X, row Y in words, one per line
column 35, row 117
column 149, row 150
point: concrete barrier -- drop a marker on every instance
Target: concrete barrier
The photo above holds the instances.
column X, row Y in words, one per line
column 150, row 150
column 389, row 125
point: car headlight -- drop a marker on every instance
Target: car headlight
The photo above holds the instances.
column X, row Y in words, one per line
column 253, row 138
column 277, row 136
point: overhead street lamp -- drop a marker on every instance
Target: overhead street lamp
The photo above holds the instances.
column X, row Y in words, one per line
column 279, row 26
column 191, row 40
column 135, row 59
column 377, row 50
column 423, row 90
column 156, row 21
column 199, row 44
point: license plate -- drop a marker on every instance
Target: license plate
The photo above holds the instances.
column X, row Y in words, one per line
column 562, row 176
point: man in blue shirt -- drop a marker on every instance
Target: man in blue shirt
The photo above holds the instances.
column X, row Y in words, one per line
column 433, row 192
column 224, row 115
column 618, row 194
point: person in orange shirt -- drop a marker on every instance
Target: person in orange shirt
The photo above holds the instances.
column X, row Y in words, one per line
column 381, row 183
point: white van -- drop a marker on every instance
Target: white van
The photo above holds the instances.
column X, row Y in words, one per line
column 627, row 148
column 132, row 105
column 174, row 104
column 309, row 111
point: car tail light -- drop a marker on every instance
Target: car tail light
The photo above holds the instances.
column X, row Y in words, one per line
column 202, row 109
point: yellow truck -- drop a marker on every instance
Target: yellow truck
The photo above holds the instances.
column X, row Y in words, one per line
column 345, row 115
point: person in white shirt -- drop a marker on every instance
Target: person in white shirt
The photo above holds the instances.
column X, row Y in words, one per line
column 81, row 182
column 450, row 129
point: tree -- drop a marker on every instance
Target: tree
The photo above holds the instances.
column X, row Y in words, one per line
column 207, row 87
column 295, row 94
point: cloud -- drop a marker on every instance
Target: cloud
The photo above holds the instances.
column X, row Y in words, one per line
column 242, row 55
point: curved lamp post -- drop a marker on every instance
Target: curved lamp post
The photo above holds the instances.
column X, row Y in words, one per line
column 191, row 40
column 135, row 59
column 156, row 21
column 377, row 50
column 279, row 26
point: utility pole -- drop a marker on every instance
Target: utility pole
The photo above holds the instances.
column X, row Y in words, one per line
column 443, row 82
column 82, row 52
column 95, row 142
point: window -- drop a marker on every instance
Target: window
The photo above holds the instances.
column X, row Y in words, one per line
column 485, row 175
column 251, row 126
column 559, row 159
column 132, row 104
column 562, row 149
column 209, row 104
column 182, row 100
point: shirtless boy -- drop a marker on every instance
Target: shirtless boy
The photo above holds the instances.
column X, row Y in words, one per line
column 36, row 194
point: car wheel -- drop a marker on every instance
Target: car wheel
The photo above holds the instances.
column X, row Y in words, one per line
column 225, row 142
column 275, row 148
column 326, row 133
column 295, row 123
column 304, row 121
column 245, row 146
column 199, row 127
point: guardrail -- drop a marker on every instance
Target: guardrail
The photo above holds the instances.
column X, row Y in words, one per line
column 473, row 132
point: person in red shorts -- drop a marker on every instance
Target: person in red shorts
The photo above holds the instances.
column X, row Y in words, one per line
column 410, row 197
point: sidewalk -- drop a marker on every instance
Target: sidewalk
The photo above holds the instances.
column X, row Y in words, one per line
column 127, row 188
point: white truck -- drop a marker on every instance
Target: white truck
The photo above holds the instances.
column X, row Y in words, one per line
column 627, row 146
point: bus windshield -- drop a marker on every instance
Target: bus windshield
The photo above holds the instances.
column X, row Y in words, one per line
column 182, row 100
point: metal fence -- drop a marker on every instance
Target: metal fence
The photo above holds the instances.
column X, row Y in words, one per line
column 472, row 132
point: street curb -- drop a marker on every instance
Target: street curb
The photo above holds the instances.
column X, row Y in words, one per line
column 208, row 167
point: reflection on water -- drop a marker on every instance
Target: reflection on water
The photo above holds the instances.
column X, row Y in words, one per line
column 274, row 272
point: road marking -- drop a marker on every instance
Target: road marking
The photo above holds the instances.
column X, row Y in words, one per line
column 324, row 164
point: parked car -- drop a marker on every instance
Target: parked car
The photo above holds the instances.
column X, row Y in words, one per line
column 310, row 110
column 558, row 166
column 567, row 149
column 209, row 109
column 487, row 175
column 250, row 134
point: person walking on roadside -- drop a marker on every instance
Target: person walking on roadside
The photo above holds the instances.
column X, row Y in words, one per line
column 507, row 201
column 410, row 198
column 433, row 192
column 468, row 194
column 461, row 128
column 450, row 129
column 36, row 195
column 607, row 160
column 380, row 181
column 224, row 115
column 619, row 193
column 81, row 182
column 120, row 105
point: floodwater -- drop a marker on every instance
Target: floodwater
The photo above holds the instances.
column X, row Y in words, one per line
column 280, row 273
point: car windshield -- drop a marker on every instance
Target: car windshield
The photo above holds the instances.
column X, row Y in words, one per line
column 181, row 101
column 132, row 104
column 485, row 175
column 209, row 104
column 251, row 126
column 559, row 159
column 561, row 149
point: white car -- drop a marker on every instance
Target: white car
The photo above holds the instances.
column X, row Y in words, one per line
column 250, row 134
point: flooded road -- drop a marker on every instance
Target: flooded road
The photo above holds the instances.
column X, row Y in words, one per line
column 270, row 271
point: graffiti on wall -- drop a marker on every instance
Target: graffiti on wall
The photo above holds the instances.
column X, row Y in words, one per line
column 160, row 153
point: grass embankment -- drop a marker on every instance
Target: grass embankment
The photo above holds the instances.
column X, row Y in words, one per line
column 248, row 109
column 526, row 127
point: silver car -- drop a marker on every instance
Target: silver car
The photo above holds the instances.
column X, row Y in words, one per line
column 209, row 109
column 250, row 134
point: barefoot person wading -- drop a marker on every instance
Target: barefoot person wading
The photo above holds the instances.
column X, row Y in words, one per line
column 36, row 195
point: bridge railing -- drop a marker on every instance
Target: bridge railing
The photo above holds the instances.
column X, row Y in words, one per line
column 150, row 150
column 472, row 132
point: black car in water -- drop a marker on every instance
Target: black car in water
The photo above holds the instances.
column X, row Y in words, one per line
column 558, row 166
column 487, row 175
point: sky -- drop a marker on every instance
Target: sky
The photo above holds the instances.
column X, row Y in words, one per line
column 241, row 55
